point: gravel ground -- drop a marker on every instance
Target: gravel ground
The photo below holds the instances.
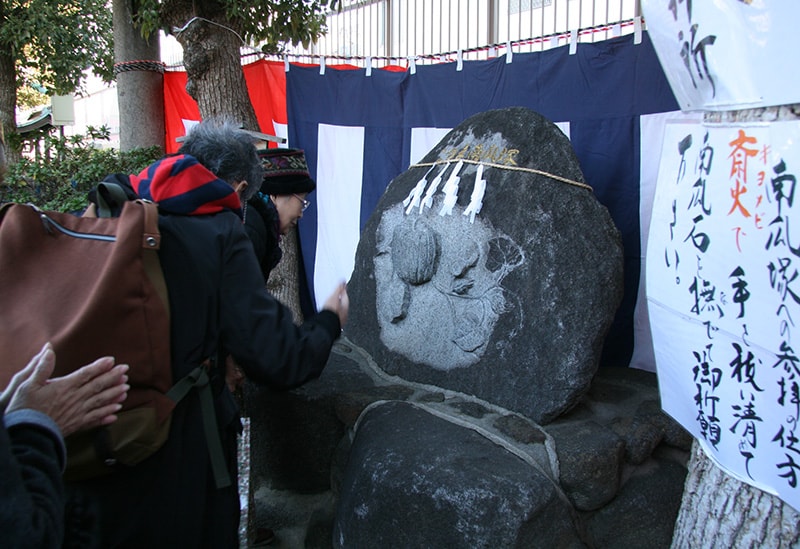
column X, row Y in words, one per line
column 244, row 481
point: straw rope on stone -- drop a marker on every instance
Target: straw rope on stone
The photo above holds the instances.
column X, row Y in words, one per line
column 504, row 167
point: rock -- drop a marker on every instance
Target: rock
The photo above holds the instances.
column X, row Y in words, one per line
column 294, row 441
column 295, row 433
column 511, row 305
column 349, row 405
column 414, row 479
column 520, row 429
column 464, row 407
column 590, row 462
column 577, row 456
column 644, row 512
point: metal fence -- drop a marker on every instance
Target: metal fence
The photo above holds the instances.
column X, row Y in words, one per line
column 384, row 32
column 399, row 32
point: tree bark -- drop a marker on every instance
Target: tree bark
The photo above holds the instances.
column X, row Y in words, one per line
column 8, row 103
column 140, row 82
column 284, row 281
column 718, row 510
column 212, row 58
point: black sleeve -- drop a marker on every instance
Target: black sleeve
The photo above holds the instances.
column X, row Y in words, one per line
column 259, row 331
column 32, row 506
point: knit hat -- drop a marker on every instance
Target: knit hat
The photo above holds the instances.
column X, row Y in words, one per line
column 285, row 172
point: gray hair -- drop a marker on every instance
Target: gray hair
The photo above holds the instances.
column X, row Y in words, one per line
column 227, row 151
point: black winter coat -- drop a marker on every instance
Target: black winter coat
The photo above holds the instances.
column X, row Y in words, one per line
column 32, row 458
column 217, row 294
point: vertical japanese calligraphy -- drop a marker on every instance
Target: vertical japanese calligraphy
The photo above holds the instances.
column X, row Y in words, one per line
column 692, row 47
column 724, row 295
column 726, row 55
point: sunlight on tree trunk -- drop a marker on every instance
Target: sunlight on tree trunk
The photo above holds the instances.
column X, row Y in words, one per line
column 211, row 55
column 283, row 281
column 140, row 82
column 719, row 511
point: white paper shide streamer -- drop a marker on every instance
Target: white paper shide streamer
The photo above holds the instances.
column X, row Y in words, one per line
column 423, row 198
column 427, row 201
column 476, row 200
column 450, row 190
column 415, row 196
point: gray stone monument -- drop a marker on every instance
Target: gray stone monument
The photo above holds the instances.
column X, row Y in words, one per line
column 490, row 268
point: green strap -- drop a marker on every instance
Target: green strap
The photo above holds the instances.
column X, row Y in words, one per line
column 116, row 193
column 199, row 378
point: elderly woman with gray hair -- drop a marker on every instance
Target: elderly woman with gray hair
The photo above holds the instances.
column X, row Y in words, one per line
column 219, row 306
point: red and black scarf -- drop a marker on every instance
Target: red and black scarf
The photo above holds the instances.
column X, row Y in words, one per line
column 180, row 185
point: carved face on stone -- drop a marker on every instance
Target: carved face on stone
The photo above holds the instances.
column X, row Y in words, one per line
column 438, row 285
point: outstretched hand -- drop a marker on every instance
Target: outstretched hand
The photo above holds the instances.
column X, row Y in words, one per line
column 86, row 398
column 339, row 303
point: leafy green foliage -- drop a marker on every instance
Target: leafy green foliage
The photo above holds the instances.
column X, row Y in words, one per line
column 267, row 22
column 60, row 179
column 50, row 44
column 29, row 98
column 54, row 41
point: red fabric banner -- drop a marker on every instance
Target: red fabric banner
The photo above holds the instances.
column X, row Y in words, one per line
column 266, row 84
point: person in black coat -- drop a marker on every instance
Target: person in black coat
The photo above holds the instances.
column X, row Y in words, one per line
column 37, row 413
column 219, row 306
column 279, row 204
column 272, row 213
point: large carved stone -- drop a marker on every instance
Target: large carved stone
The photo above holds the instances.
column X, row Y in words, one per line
column 490, row 268
column 416, row 480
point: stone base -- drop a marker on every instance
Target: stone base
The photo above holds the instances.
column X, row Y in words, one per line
column 615, row 462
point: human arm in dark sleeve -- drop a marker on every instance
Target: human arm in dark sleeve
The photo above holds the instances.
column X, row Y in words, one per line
column 37, row 410
column 32, row 458
column 260, row 333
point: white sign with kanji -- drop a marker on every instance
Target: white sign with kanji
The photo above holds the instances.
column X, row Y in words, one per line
column 723, row 292
column 729, row 54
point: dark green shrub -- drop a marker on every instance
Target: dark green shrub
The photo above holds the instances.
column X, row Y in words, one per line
column 60, row 178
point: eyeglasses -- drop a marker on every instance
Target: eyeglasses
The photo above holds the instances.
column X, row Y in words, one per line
column 303, row 201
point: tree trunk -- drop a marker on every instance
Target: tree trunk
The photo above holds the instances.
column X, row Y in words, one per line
column 8, row 103
column 140, row 82
column 719, row 511
column 212, row 58
column 283, row 281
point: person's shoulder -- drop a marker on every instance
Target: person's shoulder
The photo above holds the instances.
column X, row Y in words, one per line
column 222, row 221
column 120, row 179
column 224, row 227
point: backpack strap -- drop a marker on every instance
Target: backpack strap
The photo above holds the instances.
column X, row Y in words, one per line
column 4, row 208
column 110, row 198
column 151, row 239
column 199, row 378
